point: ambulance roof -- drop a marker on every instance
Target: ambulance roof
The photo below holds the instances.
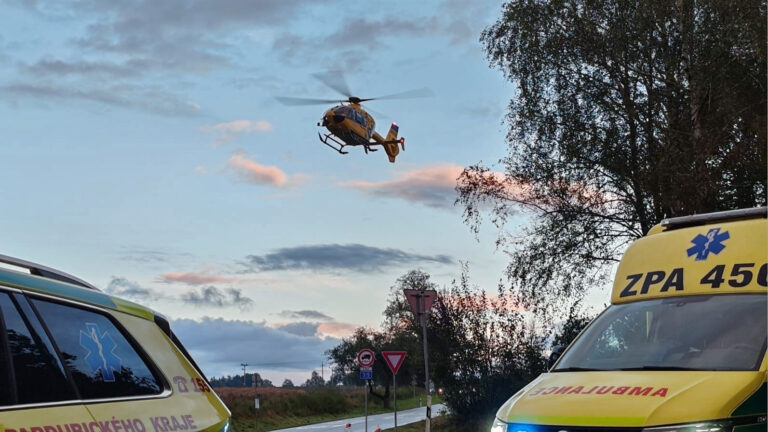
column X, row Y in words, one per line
column 713, row 253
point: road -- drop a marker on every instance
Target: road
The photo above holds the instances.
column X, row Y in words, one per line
column 386, row 421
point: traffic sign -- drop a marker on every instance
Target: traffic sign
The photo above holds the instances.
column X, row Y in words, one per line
column 366, row 373
column 366, row 357
column 420, row 301
column 394, row 359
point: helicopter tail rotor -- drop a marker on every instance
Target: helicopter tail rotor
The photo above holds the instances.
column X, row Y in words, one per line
column 390, row 143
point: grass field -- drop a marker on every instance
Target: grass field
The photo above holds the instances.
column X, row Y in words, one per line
column 282, row 408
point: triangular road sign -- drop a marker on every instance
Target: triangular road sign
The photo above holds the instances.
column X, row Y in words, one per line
column 427, row 298
column 394, row 359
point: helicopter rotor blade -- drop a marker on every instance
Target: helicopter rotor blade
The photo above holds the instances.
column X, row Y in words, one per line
column 335, row 80
column 415, row 93
column 378, row 114
column 292, row 101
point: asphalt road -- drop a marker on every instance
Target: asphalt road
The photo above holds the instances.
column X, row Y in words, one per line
column 386, row 421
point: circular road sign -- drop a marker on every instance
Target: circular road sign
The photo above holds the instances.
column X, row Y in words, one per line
column 365, row 357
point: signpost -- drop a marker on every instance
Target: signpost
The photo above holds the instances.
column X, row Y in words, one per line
column 394, row 360
column 421, row 302
column 365, row 359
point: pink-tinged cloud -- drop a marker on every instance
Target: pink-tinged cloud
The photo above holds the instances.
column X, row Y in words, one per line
column 192, row 278
column 336, row 329
column 228, row 131
column 433, row 186
column 253, row 172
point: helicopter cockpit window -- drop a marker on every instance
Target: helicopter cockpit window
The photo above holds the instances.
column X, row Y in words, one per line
column 351, row 114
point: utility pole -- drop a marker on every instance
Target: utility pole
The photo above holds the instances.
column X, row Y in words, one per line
column 244, row 365
column 322, row 370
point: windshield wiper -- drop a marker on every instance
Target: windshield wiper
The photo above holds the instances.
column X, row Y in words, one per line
column 577, row 369
column 659, row 368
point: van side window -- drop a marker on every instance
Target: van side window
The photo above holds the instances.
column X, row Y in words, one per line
column 103, row 363
column 37, row 372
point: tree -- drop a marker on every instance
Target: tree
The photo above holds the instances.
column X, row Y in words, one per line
column 483, row 348
column 315, row 381
column 288, row 384
column 625, row 112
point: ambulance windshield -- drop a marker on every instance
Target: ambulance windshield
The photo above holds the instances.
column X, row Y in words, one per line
column 712, row 332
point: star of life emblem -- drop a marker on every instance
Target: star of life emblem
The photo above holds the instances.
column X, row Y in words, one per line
column 101, row 356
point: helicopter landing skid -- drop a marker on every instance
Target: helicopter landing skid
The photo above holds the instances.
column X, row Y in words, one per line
column 329, row 137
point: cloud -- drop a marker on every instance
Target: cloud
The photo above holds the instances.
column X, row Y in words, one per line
column 458, row 21
column 433, row 186
column 367, row 33
column 336, row 329
column 147, row 98
column 325, row 329
column 352, row 257
column 228, row 131
column 302, row 328
column 305, row 314
column 152, row 256
column 121, row 47
column 177, row 35
column 214, row 297
column 101, row 69
column 220, row 345
column 122, row 287
column 255, row 173
column 359, row 34
column 193, row 278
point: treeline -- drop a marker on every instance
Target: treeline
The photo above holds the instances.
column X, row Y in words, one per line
column 238, row 381
column 255, row 380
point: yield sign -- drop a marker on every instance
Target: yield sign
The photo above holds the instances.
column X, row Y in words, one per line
column 394, row 359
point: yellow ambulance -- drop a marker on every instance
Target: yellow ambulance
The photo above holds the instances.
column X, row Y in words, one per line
column 74, row 359
column 681, row 348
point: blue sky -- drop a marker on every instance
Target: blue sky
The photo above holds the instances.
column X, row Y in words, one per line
column 143, row 150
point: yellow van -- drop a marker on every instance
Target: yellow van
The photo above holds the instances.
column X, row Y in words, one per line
column 681, row 348
column 73, row 359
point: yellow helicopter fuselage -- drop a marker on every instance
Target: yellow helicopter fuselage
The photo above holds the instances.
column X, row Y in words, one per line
column 352, row 125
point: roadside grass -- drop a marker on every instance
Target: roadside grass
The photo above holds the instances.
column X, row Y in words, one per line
column 283, row 408
column 444, row 424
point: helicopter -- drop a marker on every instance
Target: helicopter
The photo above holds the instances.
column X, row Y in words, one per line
column 348, row 124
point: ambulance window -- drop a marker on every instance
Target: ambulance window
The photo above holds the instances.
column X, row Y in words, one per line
column 38, row 374
column 103, row 363
column 6, row 391
column 729, row 333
